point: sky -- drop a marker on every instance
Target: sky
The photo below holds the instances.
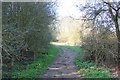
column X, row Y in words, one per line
column 68, row 8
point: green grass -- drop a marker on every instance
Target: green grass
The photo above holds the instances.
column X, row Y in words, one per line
column 88, row 69
column 75, row 49
column 38, row 66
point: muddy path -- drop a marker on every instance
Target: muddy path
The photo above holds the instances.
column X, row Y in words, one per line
column 63, row 66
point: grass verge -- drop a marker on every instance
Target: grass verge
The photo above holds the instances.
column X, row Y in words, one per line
column 38, row 66
column 88, row 69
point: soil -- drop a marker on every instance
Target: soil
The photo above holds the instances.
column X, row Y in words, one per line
column 63, row 66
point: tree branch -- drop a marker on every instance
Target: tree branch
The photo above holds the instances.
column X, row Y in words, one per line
column 110, row 5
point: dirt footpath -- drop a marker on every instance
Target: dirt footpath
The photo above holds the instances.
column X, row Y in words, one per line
column 63, row 66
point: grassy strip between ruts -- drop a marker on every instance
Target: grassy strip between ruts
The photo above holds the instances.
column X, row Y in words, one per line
column 38, row 66
column 87, row 68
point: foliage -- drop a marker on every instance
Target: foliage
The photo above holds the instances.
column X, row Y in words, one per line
column 25, row 31
column 90, row 70
column 94, row 72
column 37, row 67
column 23, row 26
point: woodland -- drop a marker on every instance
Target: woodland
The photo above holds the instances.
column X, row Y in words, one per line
column 33, row 37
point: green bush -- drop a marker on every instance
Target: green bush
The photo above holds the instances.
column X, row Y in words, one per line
column 90, row 70
column 25, row 27
column 25, row 31
column 85, row 65
column 34, row 69
column 94, row 72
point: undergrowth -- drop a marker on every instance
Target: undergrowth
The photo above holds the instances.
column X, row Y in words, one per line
column 37, row 67
column 88, row 69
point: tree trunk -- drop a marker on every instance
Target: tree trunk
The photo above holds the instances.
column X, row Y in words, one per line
column 118, row 37
column 115, row 20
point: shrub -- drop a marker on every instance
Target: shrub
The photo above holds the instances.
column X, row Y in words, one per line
column 24, row 30
column 100, row 46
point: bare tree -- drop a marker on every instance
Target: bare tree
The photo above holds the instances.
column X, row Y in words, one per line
column 105, row 13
